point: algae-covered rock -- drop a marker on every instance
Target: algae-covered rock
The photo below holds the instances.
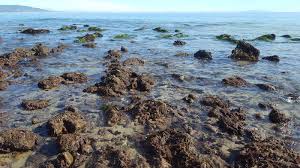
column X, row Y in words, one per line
column 93, row 28
column 227, row 37
column 122, row 36
column 88, row 38
column 66, row 28
column 160, row 30
column 267, row 37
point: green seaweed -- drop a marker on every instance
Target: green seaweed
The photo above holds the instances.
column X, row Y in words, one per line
column 166, row 36
column 88, row 38
column 93, row 28
column 66, row 28
column 121, row 36
column 227, row 37
column 267, row 37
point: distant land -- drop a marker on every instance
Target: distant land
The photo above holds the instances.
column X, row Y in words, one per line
column 19, row 8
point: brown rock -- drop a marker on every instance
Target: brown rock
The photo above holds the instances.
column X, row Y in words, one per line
column 67, row 122
column 235, row 81
column 35, row 104
column 50, row 82
column 190, row 98
column 3, row 85
column 114, row 116
column 214, row 101
column 133, row 61
column 74, row 77
column 276, row 116
column 90, row 45
column 41, row 50
column 266, row 87
column 245, row 52
column 74, row 144
column 17, row 140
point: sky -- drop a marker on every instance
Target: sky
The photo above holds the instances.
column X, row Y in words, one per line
column 161, row 5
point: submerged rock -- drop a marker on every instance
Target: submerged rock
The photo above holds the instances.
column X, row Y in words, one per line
column 235, row 81
column 65, row 123
column 35, row 31
column 203, row 55
column 88, row 38
column 113, row 54
column 245, row 52
column 124, row 49
column 17, row 140
column 190, row 98
column 66, row 28
column 267, row 37
column 214, row 101
column 179, row 43
column 90, row 45
column 160, row 30
column 143, row 83
column 227, row 37
column 286, row 36
column 274, row 58
column 267, row 153
column 266, row 87
column 50, row 83
column 41, row 50
column 276, row 116
column 133, row 61
column 35, row 104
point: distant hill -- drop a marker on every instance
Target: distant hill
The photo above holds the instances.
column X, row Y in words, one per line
column 19, row 8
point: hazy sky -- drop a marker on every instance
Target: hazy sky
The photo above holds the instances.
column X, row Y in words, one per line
column 160, row 5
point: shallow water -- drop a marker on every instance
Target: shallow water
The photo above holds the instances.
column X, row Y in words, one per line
column 148, row 45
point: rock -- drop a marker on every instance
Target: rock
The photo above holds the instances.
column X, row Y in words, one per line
column 114, row 116
column 160, row 30
column 17, row 140
column 88, row 38
column 267, row 153
column 266, row 87
column 50, row 83
column 203, row 55
column 235, row 81
column 150, row 111
column 267, row 37
column 274, row 58
column 113, row 54
column 286, row 36
column 265, row 105
column 65, row 123
column 35, row 104
column 295, row 39
column 3, row 85
column 276, row 116
column 74, row 77
column 227, row 37
column 171, row 148
column 182, row 54
column 143, row 83
column 124, row 49
column 245, row 52
column 133, row 61
column 65, row 159
column 35, row 31
column 89, row 45
column 41, row 50
column 214, row 101
column 74, row 144
column 67, row 28
column 60, row 48
column 13, row 58
column 190, row 98
column 178, row 77
column 179, row 43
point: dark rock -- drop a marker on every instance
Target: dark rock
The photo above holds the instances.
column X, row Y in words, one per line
column 266, row 87
column 203, row 55
column 133, row 61
column 124, row 49
column 190, row 98
column 113, row 54
column 35, row 31
column 17, row 140
column 267, row 37
column 160, row 30
column 179, row 43
column 286, row 36
column 214, row 101
column 60, row 48
column 35, row 104
column 245, row 52
column 235, row 81
column 89, row 45
column 295, row 39
column 274, row 58
column 276, row 116
column 65, row 123
column 267, row 153
column 265, row 105
column 182, row 54
column 50, row 83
